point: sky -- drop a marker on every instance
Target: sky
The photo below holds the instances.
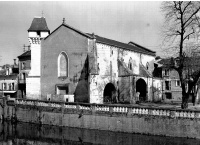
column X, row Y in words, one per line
column 139, row 22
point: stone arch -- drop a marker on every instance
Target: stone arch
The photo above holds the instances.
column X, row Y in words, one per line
column 109, row 93
column 141, row 87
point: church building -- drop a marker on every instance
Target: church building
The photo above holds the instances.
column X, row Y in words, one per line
column 69, row 63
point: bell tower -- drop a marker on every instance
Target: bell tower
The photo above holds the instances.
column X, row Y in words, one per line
column 37, row 31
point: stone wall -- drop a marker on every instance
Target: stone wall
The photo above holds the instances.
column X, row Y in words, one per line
column 119, row 118
column 75, row 46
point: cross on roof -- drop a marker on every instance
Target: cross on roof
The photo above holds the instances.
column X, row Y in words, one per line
column 63, row 20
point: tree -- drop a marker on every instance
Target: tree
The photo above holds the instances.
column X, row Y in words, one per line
column 181, row 30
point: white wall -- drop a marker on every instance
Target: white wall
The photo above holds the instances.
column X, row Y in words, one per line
column 35, row 60
column 34, row 34
column 106, row 57
column 33, row 88
column 44, row 34
column 157, row 89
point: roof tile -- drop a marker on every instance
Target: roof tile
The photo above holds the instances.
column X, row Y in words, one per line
column 39, row 24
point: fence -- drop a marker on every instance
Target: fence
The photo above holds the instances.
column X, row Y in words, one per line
column 114, row 109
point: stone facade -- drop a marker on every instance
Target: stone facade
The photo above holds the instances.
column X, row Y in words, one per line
column 98, row 70
column 76, row 47
column 117, row 118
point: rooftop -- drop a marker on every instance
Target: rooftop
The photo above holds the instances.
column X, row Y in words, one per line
column 8, row 77
column 39, row 24
column 188, row 62
column 27, row 53
column 129, row 46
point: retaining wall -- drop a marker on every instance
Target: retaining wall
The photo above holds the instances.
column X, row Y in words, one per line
column 119, row 118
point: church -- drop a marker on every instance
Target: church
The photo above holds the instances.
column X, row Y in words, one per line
column 70, row 65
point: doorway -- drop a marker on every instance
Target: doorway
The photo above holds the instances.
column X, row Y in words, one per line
column 141, row 87
column 109, row 94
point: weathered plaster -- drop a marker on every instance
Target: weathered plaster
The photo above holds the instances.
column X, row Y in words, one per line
column 33, row 88
column 107, row 58
column 157, row 89
column 108, row 72
column 76, row 47
column 125, row 56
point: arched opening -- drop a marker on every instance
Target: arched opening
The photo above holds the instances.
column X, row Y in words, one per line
column 109, row 94
column 141, row 87
column 62, row 65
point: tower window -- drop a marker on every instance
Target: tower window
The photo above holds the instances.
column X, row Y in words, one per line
column 38, row 33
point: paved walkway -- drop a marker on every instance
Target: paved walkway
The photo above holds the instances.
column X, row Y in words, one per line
column 174, row 105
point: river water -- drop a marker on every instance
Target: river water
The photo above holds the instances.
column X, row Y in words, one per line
column 32, row 134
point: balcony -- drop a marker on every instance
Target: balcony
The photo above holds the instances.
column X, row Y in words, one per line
column 25, row 68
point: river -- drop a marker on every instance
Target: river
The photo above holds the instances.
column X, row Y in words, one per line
column 32, row 134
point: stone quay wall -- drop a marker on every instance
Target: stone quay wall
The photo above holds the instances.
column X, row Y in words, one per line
column 118, row 118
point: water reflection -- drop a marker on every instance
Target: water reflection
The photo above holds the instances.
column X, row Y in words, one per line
column 32, row 134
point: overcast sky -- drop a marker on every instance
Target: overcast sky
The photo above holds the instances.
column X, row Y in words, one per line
column 139, row 22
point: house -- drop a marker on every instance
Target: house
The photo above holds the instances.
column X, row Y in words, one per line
column 24, row 69
column 88, row 67
column 9, row 80
column 171, row 85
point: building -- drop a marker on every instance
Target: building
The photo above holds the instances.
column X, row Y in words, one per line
column 9, row 80
column 24, row 69
column 37, row 31
column 171, row 85
column 88, row 67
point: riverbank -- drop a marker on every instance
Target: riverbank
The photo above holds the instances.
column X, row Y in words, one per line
column 144, row 118
column 26, row 133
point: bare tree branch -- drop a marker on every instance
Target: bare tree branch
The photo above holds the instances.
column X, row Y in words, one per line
column 181, row 23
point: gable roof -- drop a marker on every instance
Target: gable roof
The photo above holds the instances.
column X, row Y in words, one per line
column 188, row 62
column 25, row 54
column 67, row 26
column 39, row 24
column 131, row 46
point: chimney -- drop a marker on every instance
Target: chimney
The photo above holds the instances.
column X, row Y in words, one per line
column 15, row 62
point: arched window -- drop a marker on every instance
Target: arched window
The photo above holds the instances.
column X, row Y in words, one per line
column 130, row 64
column 63, row 65
column 147, row 65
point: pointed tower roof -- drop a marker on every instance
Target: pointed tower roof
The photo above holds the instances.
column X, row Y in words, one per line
column 39, row 24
